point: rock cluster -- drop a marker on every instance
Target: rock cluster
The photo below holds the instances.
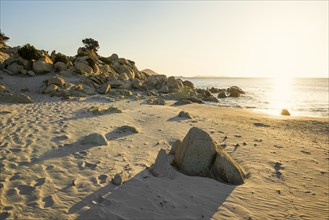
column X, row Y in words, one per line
column 199, row 155
column 88, row 74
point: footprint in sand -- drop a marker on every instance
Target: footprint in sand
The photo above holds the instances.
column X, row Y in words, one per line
column 49, row 201
column 40, row 182
column 278, row 166
column 5, row 215
column 15, row 177
column 26, row 189
column 85, row 165
column 15, row 150
column 102, row 178
column 81, row 154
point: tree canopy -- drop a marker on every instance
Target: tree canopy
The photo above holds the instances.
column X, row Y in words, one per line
column 91, row 44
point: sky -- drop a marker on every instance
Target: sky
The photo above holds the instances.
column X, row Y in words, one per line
column 182, row 38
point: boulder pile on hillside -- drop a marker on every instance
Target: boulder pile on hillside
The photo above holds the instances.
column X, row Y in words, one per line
column 88, row 73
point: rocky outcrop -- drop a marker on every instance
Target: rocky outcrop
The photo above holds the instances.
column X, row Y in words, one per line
column 174, row 85
column 156, row 81
column 91, row 74
column 199, row 155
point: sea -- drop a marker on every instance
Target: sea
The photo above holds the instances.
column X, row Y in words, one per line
column 300, row 96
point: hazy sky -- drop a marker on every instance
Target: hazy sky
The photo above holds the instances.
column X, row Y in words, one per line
column 230, row 38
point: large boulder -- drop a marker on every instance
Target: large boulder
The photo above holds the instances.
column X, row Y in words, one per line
column 83, row 67
column 225, row 169
column 221, row 94
column 41, row 66
column 174, row 85
column 196, row 154
column 46, row 59
column 156, row 81
column 199, row 155
column 235, row 91
column 19, row 60
column 136, row 83
column 15, row 68
column 285, row 112
column 60, row 66
column 188, row 84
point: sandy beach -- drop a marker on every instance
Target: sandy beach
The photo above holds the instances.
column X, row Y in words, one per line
column 47, row 173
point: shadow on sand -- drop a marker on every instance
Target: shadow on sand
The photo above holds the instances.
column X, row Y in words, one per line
column 117, row 133
column 76, row 149
column 147, row 197
column 176, row 118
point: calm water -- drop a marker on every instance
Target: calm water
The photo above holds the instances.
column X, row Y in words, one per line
column 301, row 96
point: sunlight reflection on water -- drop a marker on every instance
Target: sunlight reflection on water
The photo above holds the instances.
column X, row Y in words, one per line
column 281, row 95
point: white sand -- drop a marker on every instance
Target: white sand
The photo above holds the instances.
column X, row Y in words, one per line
column 40, row 156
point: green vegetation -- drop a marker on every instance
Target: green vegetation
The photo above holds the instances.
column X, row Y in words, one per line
column 61, row 58
column 3, row 38
column 29, row 52
column 91, row 44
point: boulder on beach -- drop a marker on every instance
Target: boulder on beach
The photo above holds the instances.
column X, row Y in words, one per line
column 225, row 169
column 221, row 95
column 235, row 91
column 196, row 154
column 184, row 114
column 285, row 112
column 95, row 139
column 199, row 155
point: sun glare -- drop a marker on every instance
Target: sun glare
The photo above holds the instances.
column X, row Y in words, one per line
column 281, row 94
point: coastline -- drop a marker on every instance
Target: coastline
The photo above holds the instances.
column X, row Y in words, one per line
column 272, row 150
